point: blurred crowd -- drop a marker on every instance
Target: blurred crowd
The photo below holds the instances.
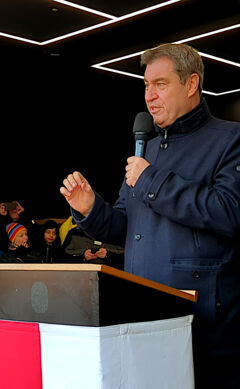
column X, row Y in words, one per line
column 25, row 240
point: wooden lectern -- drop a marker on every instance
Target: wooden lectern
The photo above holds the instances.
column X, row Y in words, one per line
column 86, row 295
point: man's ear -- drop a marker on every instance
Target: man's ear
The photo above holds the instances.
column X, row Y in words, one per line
column 193, row 83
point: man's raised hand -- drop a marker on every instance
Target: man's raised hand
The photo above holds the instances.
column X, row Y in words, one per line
column 78, row 193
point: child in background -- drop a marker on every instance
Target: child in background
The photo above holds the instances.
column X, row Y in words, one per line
column 19, row 248
column 49, row 243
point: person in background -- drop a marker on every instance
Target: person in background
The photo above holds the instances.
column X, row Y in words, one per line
column 3, row 222
column 3, row 211
column 178, row 211
column 81, row 248
column 19, row 248
column 48, row 242
column 93, row 253
column 65, row 229
column 16, row 213
column 97, row 254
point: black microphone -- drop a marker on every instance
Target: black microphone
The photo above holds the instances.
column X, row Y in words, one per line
column 143, row 130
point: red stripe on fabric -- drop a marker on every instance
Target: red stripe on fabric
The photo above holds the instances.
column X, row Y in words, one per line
column 15, row 232
column 10, row 227
column 20, row 355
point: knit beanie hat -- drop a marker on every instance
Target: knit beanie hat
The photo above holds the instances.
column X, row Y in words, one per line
column 13, row 229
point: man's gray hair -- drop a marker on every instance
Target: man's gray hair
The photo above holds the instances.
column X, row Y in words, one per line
column 185, row 58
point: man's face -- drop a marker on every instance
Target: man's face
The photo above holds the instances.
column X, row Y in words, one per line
column 166, row 98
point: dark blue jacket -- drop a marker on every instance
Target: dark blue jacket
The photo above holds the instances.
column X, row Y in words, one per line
column 181, row 221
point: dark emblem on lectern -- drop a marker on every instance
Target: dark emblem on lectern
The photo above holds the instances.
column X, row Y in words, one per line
column 39, row 297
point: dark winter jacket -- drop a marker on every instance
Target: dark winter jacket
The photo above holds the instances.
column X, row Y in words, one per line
column 181, row 221
column 21, row 255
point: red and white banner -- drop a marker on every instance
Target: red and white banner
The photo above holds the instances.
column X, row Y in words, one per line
column 126, row 356
column 20, row 356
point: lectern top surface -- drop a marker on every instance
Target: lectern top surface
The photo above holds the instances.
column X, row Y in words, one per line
column 185, row 294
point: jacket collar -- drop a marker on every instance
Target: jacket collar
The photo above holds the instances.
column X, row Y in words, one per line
column 188, row 122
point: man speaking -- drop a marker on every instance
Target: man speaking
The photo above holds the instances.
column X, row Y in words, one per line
column 178, row 211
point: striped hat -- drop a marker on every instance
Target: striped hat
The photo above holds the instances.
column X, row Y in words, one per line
column 13, row 229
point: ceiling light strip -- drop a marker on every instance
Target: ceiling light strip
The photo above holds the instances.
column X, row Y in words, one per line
column 18, row 38
column 221, row 93
column 148, row 9
column 100, row 65
column 133, row 75
column 119, row 58
column 119, row 72
column 219, row 59
column 115, row 18
column 209, row 33
column 108, row 22
column 74, row 33
column 227, row 92
column 182, row 41
column 86, row 9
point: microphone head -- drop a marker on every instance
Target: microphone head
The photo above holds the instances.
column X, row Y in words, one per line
column 143, row 127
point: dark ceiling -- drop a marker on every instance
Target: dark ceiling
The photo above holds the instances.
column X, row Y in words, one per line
column 60, row 113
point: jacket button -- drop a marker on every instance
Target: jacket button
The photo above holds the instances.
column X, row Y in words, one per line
column 151, row 195
column 164, row 145
column 137, row 236
column 196, row 274
column 238, row 168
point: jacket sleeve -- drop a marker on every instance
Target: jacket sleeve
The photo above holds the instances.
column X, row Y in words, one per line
column 214, row 207
column 105, row 222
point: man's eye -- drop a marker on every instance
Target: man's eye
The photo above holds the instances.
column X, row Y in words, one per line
column 161, row 84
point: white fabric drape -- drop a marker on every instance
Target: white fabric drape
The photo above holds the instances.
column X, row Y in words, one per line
column 146, row 355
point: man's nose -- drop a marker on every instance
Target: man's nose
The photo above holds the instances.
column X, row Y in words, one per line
column 150, row 94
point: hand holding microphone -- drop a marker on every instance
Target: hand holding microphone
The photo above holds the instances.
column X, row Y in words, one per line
column 143, row 130
column 134, row 169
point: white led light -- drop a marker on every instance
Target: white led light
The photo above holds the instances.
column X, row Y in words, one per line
column 74, row 33
column 113, row 19
column 148, row 9
column 141, row 77
column 209, row 93
column 133, row 75
column 219, row 59
column 118, row 72
column 235, row 26
column 86, row 9
column 119, row 59
column 200, row 36
column 227, row 92
column 108, row 22
column 18, row 38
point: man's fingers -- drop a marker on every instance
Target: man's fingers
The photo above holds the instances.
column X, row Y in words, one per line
column 78, row 177
column 70, row 182
column 65, row 192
